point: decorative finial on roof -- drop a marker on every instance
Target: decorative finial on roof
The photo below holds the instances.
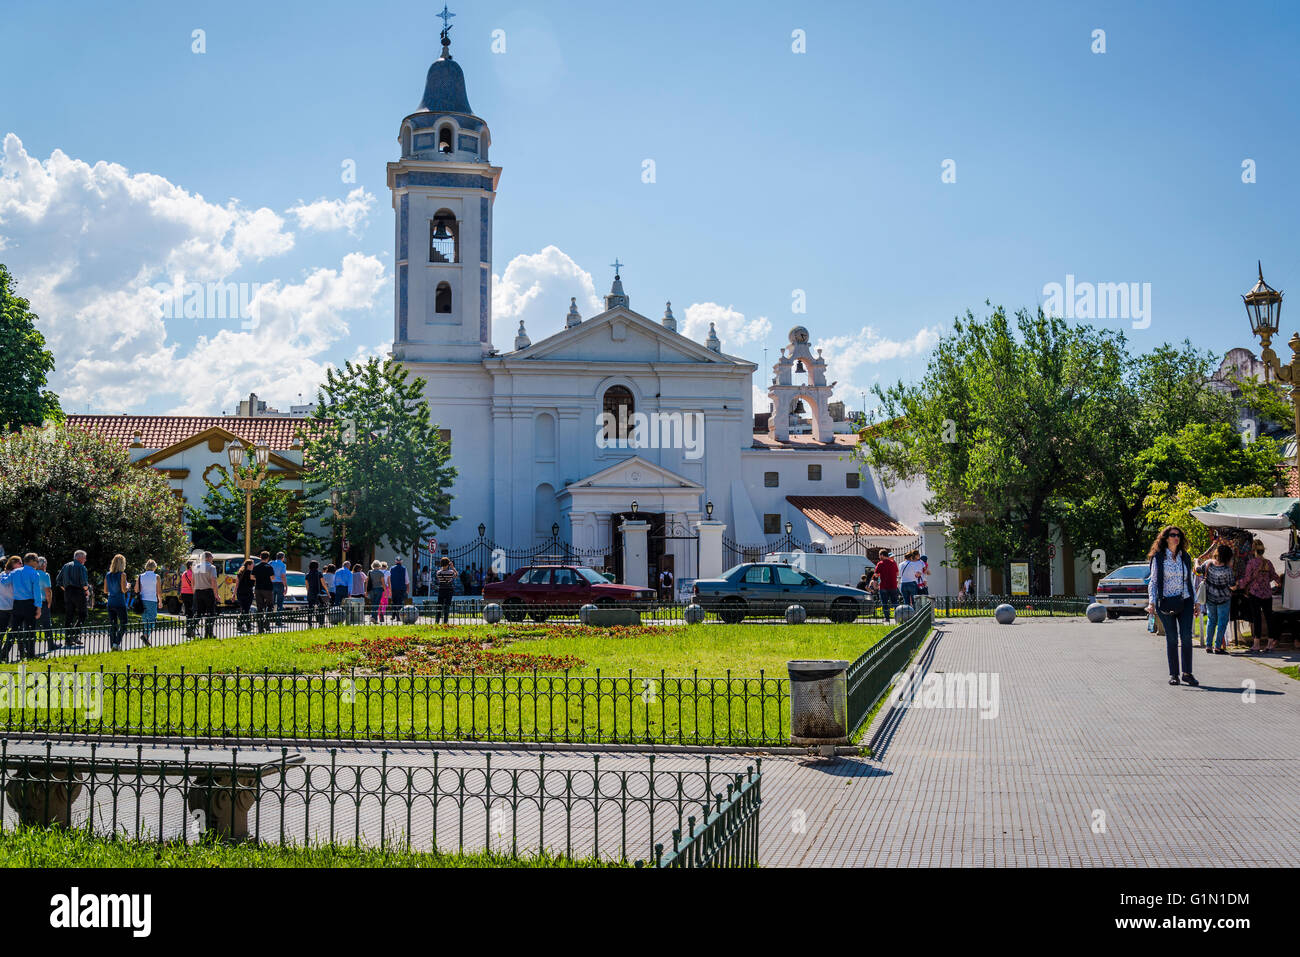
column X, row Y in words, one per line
column 617, row 297
column 669, row 321
column 618, row 265
column 446, row 31
column 714, row 343
column 573, row 318
column 521, row 338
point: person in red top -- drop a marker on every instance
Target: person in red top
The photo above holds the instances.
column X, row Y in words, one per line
column 887, row 582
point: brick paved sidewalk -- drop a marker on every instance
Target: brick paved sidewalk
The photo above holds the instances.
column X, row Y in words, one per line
column 1086, row 724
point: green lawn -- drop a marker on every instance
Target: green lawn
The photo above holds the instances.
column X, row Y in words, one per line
column 722, row 684
column 60, row 847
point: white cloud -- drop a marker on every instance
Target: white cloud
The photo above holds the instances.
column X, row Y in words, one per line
column 734, row 330
column 536, row 287
column 327, row 215
column 849, row 357
column 94, row 246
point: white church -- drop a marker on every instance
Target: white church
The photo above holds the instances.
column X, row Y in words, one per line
column 612, row 425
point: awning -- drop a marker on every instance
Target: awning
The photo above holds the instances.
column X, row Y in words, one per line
column 837, row 513
column 1262, row 514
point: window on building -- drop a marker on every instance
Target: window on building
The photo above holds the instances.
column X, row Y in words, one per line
column 618, row 403
column 445, row 435
column 771, row 480
column 771, row 524
column 852, row 480
column 442, row 298
column 445, row 144
column 814, row 473
column 444, row 237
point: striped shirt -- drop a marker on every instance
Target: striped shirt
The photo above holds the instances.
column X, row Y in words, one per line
column 446, row 577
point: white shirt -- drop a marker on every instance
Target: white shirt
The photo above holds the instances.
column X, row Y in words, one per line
column 148, row 586
column 6, row 597
column 911, row 571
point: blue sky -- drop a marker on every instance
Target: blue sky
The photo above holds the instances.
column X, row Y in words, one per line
column 775, row 171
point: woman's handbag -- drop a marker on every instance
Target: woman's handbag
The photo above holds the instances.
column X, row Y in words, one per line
column 1168, row 604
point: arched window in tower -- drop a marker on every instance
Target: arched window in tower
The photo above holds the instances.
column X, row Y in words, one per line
column 619, row 404
column 444, row 237
column 406, row 141
column 445, row 144
column 442, row 298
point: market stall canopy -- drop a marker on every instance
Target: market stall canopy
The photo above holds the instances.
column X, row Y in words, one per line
column 1262, row 514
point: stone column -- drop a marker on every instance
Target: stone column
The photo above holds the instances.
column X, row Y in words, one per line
column 934, row 545
column 710, row 533
column 636, row 553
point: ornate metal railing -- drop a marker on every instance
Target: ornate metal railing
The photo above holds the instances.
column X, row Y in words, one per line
column 728, row 834
column 870, row 676
column 569, row 805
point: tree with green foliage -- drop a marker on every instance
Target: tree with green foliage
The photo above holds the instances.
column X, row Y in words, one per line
column 996, row 427
column 1017, row 427
column 62, row 489
column 1140, row 399
column 280, row 516
column 372, row 439
column 1172, row 504
column 25, row 363
column 1207, row 457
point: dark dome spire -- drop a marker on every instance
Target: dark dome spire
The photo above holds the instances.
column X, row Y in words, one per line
column 444, row 88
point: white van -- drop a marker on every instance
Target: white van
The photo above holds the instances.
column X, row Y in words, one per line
column 835, row 569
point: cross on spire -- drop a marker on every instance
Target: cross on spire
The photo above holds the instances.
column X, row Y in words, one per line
column 617, row 266
column 446, row 27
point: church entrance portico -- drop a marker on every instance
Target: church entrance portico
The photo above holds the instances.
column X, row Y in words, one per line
column 595, row 507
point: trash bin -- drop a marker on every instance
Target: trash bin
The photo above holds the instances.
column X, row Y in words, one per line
column 355, row 609
column 819, row 702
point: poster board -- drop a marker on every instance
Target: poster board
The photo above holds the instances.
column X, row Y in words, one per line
column 1020, row 578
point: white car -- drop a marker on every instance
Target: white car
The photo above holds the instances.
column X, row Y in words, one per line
column 1124, row 591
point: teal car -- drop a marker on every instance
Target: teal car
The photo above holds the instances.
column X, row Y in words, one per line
column 768, row 588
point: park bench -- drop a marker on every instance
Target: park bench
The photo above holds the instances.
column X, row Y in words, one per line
column 43, row 781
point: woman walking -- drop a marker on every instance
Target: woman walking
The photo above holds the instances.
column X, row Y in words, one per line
column 117, row 587
column 1257, row 583
column 317, row 590
column 244, row 595
column 910, row 575
column 1219, row 582
column 146, row 586
column 1169, row 594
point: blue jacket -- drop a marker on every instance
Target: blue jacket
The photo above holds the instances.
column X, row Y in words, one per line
column 397, row 578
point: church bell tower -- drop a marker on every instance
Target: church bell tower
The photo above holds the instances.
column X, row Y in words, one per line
column 443, row 189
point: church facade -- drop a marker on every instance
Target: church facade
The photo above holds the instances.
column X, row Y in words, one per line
column 611, row 418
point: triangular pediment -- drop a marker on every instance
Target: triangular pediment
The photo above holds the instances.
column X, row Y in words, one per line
column 620, row 335
column 216, row 438
column 633, row 473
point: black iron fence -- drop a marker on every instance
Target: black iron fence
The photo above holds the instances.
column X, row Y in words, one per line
column 169, row 630
column 567, row 805
column 870, row 677
column 534, row 707
column 950, row 606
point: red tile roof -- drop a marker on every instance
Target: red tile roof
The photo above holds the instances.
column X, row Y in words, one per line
column 161, row 431
column 764, row 440
column 1292, row 477
column 837, row 513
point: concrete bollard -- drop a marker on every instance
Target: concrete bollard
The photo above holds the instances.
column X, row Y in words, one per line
column 1096, row 613
column 694, row 614
column 492, row 613
column 819, row 703
column 1004, row 614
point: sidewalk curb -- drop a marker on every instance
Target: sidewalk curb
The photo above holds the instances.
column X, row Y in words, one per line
column 885, row 715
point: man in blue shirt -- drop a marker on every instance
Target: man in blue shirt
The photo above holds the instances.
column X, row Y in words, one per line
column 279, row 581
column 342, row 583
column 397, row 582
column 29, row 599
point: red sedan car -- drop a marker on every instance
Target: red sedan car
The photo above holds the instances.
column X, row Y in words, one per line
column 538, row 590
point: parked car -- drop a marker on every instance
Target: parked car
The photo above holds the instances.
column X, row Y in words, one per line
column 227, row 565
column 537, row 590
column 1124, row 590
column 769, row 587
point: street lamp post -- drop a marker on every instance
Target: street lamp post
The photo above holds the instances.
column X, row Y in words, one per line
column 1264, row 308
column 249, row 483
column 336, row 501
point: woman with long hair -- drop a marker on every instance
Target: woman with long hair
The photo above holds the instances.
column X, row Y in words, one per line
column 146, row 586
column 117, row 587
column 1169, row 595
column 1257, row 583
